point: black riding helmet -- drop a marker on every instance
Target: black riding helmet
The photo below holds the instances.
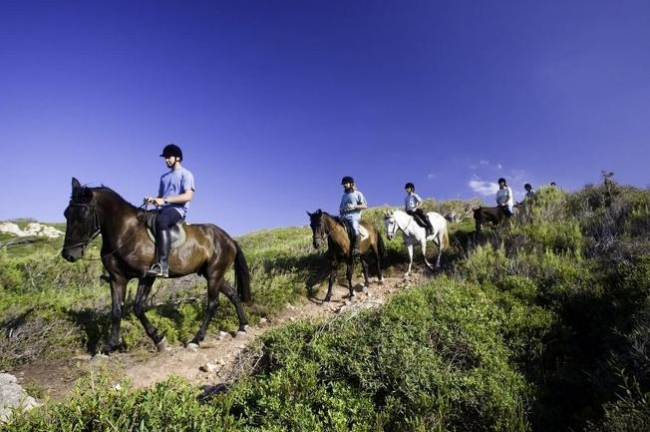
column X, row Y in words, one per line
column 347, row 179
column 409, row 185
column 502, row 180
column 172, row 150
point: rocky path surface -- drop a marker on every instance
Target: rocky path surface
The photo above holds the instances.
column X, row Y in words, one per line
column 219, row 358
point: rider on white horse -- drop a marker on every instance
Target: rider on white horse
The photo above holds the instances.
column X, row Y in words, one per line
column 412, row 205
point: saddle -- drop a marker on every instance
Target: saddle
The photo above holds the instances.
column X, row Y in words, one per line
column 363, row 232
column 177, row 232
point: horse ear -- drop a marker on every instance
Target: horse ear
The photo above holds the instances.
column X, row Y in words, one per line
column 75, row 184
column 308, row 214
column 319, row 212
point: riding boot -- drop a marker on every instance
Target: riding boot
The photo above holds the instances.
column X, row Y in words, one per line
column 356, row 251
column 163, row 245
column 429, row 227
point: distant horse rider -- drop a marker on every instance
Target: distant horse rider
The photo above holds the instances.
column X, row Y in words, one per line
column 412, row 204
column 352, row 203
column 530, row 193
column 505, row 199
column 174, row 195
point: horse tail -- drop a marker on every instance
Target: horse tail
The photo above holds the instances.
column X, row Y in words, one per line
column 445, row 237
column 242, row 276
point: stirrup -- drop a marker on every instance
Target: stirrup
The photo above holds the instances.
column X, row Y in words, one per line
column 157, row 270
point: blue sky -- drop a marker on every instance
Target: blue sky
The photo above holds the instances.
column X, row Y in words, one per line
column 274, row 101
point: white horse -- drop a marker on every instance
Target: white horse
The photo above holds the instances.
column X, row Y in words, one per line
column 414, row 234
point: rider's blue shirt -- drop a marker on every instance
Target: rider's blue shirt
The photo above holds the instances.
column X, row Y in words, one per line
column 351, row 198
column 411, row 202
column 174, row 183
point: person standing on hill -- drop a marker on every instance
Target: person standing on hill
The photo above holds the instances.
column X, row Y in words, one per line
column 350, row 208
column 505, row 200
column 175, row 192
column 412, row 204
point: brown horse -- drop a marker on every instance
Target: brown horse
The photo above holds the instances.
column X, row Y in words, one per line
column 127, row 253
column 339, row 247
column 495, row 215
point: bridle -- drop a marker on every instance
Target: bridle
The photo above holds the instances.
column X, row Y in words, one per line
column 396, row 224
column 96, row 225
column 324, row 233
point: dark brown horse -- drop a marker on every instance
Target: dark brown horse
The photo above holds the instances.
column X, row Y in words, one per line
column 127, row 253
column 495, row 215
column 339, row 247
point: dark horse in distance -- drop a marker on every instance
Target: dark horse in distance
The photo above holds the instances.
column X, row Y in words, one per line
column 339, row 246
column 495, row 215
column 127, row 253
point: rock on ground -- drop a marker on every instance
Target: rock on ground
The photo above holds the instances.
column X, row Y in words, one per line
column 13, row 396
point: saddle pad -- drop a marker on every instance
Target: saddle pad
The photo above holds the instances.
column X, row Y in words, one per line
column 363, row 231
column 177, row 233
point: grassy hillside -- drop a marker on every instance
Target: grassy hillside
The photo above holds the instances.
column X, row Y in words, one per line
column 540, row 325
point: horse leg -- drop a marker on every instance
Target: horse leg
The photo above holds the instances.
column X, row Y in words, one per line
column 333, row 265
column 229, row 292
column 409, row 248
column 144, row 288
column 364, row 266
column 215, row 281
column 348, row 274
column 439, row 244
column 423, row 244
column 118, row 288
column 378, row 256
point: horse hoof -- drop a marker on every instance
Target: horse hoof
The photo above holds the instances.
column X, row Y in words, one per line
column 97, row 357
column 162, row 345
column 192, row 346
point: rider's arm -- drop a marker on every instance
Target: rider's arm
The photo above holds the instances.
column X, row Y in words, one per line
column 182, row 198
column 361, row 203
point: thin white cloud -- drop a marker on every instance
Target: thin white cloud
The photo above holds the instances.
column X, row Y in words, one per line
column 483, row 187
column 484, row 162
column 431, row 175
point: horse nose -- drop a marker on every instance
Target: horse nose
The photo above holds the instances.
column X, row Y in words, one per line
column 66, row 255
column 316, row 244
column 71, row 256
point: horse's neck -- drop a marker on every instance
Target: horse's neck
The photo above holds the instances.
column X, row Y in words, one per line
column 336, row 232
column 404, row 220
column 331, row 224
column 116, row 214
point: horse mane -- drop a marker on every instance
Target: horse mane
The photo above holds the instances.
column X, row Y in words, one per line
column 114, row 195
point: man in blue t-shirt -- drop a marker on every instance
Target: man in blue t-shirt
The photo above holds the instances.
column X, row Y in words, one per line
column 174, row 195
column 350, row 208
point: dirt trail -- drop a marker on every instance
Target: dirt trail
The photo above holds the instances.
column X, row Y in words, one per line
column 217, row 360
